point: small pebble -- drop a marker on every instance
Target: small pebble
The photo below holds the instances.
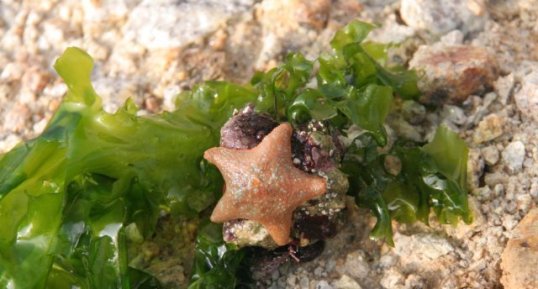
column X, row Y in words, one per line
column 513, row 156
column 491, row 155
column 323, row 285
column 491, row 127
column 304, row 282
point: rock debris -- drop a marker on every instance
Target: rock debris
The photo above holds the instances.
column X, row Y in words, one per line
column 144, row 54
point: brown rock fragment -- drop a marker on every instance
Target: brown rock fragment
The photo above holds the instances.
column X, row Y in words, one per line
column 152, row 104
column 520, row 257
column 283, row 16
column 313, row 13
column 452, row 73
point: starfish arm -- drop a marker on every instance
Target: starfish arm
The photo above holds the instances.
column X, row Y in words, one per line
column 222, row 211
column 278, row 141
column 279, row 229
column 216, row 156
column 228, row 161
column 312, row 186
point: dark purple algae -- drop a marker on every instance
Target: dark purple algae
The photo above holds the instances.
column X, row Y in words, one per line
column 246, row 129
column 317, row 227
column 316, row 148
column 266, row 261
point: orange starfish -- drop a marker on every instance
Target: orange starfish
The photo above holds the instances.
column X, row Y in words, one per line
column 263, row 185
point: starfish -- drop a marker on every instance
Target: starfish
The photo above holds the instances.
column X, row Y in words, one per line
column 263, row 185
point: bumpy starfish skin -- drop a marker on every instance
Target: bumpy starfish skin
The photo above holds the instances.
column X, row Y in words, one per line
column 263, row 185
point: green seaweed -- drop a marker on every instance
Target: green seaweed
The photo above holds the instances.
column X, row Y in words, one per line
column 67, row 196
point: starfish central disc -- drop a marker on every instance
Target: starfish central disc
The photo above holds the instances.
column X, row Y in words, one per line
column 263, row 185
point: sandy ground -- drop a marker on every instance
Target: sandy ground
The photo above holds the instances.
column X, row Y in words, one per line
column 481, row 54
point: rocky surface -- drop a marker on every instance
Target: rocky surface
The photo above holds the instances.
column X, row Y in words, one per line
column 520, row 258
column 151, row 50
column 527, row 97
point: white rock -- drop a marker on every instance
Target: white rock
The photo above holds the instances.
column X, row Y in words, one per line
column 291, row 280
column 392, row 279
column 439, row 16
column 52, row 33
column 330, row 265
column 509, row 222
column 356, row 265
column 534, row 188
column 490, row 155
column 503, row 87
column 379, row 2
column 9, row 142
column 388, row 260
column 346, row 282
column 303, row 283
column 170, row 24
column 524, row 202
column 169, row 97
column 454, row 114
column 107, row 10
column 454, row 37
column 475, row 167
column 415, row 281
column 529, row 5
column 323, row 285
column 422, row 248
column 318, row 272
column 16, row 118
column 391, row 32
column 40, row 125
column 527, row 97
column 514, row 155
column 491, row 127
